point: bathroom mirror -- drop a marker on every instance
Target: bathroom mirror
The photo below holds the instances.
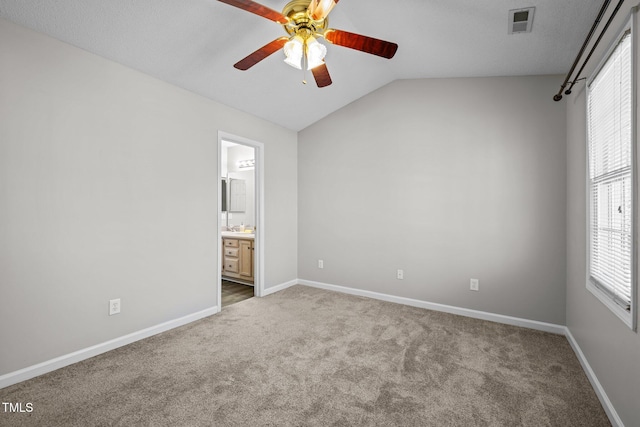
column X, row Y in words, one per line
column 237, row 195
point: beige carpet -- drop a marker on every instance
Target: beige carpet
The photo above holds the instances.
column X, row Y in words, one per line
column 309, row 357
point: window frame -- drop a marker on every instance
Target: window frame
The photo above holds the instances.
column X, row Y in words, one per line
column 628, row 317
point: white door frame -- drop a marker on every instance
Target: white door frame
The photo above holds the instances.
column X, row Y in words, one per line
column 258, row 244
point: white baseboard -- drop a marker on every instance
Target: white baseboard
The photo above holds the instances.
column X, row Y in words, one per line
column 614, row 418
column 499, row 318
column 80, row 355
column 77, row 356
column 277, row 288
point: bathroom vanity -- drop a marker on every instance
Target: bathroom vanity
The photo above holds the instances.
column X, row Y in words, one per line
column 237, row 256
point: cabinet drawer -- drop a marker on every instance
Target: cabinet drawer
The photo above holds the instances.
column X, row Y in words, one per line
column 231, row 265
column 231, row 243
column 231, row 252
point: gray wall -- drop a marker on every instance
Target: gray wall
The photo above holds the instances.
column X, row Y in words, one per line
column 612, row 349
column 108, row 189
column 447, row 179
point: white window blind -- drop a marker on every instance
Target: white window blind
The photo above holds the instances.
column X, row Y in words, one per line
column 609, row 122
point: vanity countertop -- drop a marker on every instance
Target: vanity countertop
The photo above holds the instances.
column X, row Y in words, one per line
column 239, row 235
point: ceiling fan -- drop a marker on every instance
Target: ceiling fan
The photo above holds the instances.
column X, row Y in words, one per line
column 305, row 21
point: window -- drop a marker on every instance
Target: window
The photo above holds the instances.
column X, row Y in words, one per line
column 611, row 186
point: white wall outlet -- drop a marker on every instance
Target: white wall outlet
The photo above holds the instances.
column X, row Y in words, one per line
column 114, row 306
column 320, row 263
column 400, row 274
column 474, row 285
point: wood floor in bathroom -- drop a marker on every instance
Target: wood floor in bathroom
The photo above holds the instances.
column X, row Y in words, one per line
column 235, row 292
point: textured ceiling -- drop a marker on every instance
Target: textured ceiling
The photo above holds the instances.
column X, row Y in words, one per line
column 193, row 44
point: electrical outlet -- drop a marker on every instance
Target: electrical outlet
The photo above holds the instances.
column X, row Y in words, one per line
column 114, row 306
column 400, row 274
column 320, row 263
column 474, row 285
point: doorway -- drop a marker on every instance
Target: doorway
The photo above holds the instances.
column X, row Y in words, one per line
column 240, row 219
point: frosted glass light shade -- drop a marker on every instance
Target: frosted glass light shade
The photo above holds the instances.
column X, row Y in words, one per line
column 315, row 53
column 293, row 50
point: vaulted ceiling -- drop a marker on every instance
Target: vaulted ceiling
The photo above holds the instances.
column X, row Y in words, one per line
column 193, row 44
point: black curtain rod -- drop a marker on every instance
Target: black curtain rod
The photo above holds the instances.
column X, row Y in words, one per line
column 603, row 9
column 604, row 30
column 605, row 5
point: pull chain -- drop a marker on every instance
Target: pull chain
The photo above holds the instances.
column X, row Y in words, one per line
column 304, row 62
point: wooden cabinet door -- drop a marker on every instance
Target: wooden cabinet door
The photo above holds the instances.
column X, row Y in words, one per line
column 246, row 259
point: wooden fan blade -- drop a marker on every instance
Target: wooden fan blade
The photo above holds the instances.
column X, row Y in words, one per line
column 362, row 43
column 319, row 9
column 321, row 74
column 260, row 54
column 258, row 9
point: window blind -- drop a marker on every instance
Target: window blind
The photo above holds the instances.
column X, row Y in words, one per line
column 609, row 127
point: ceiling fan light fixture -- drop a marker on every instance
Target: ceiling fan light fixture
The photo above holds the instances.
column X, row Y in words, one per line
column 304, row 21
column 293, row 51
column 315, row 53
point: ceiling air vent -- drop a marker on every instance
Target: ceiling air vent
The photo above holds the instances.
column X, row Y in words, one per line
column 521, row 20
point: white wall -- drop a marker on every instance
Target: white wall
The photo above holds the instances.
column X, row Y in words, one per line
column 611, row 348
column 108, row 189
column 447, row 179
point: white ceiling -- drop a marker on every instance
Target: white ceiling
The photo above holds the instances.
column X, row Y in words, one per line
column 193, row 44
